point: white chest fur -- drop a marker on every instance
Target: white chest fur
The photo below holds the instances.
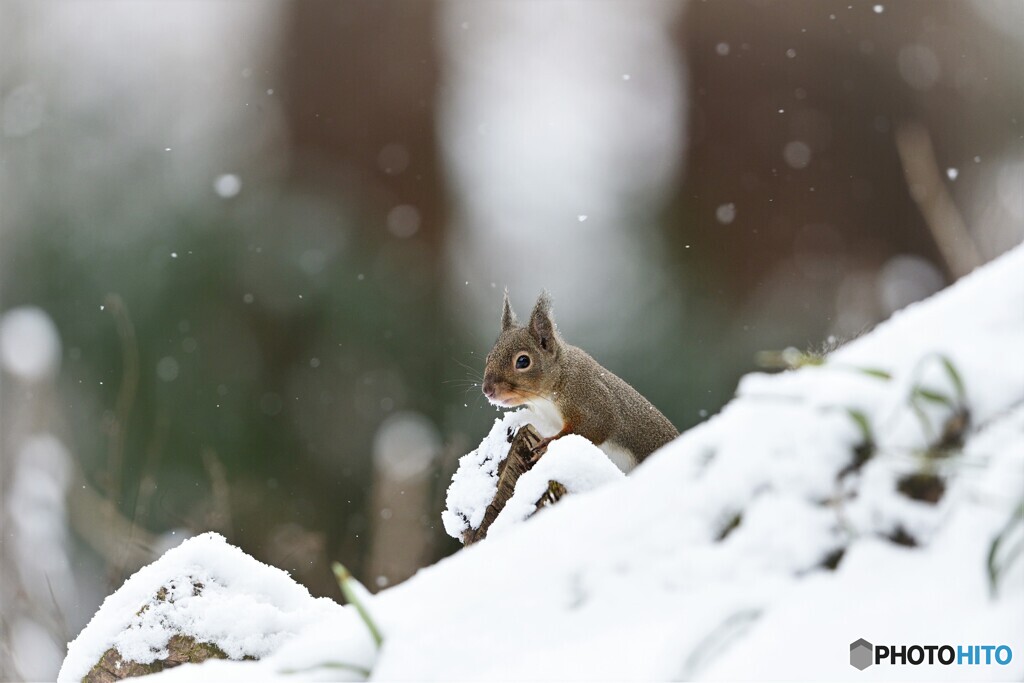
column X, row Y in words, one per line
column 549, row 415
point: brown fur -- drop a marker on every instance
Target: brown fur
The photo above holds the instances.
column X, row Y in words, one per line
column 593, row 401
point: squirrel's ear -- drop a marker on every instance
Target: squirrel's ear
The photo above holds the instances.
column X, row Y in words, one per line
column 508, row 317
column 542, row 324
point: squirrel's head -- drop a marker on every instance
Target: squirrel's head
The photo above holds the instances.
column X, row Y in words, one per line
column 523, row 364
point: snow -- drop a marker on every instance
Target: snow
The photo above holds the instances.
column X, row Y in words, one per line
column 35, row 503
column 726, row 213
column 797, row 154
column 29, row 343
column 573, row 462
column 919, row 66
column 754, row 546
column 403, row 220
column 167, row 368
column 405, row 445
column 336, row 647
column 632, row 581
column 216, row 594
column 227, row 185
column 37, row 568
column 475, row 482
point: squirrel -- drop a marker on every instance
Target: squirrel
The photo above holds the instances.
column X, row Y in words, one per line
column 532, row 365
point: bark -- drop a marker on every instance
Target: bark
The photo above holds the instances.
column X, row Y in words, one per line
column 515, row 464
column 181, row 650
column 519, row 460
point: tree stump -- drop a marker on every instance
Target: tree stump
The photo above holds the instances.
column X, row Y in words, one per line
column 516, row 463
column 181, row 650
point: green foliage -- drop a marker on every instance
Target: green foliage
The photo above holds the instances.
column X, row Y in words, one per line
column 998, row 559
column 272, row 334
column 351, row 588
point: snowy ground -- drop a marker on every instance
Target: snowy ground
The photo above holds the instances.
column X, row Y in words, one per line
column 758, row 545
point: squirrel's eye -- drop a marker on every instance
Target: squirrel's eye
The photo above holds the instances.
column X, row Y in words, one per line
column 522, row 362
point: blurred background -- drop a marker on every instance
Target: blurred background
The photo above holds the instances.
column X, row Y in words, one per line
column 252, row 254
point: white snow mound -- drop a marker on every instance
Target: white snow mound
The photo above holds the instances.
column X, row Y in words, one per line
column 476, row 481
column 214, row 592
column 573, row 462
column 761, row 543
column 858, row 499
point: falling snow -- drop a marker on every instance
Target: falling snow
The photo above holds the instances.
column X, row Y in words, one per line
column 227, row 185
column 647, row 549
column 797, row 154
column 403, row 220
column 726, row 213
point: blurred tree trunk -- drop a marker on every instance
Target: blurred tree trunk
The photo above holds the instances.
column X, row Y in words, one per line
column 362, row 80
column 361, row 84
column 792, row 160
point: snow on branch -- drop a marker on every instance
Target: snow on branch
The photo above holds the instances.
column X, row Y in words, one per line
column 499, row 484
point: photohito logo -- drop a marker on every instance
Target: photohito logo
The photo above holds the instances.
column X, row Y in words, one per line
column 863, row 654
column 860, row 654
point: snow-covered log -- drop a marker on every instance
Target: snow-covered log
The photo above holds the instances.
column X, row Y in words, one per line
column 500, row 484
column 515, row 463
column 207, row 599
column 875, row 495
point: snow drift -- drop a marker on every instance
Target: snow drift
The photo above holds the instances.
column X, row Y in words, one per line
column 214, row 593
column 862, row 497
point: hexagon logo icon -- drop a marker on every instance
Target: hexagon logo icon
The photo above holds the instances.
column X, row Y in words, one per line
column 861, row 654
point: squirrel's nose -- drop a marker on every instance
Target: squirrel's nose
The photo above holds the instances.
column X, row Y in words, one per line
column 488, row 388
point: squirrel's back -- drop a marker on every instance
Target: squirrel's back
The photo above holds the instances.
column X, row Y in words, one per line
column 632, row 424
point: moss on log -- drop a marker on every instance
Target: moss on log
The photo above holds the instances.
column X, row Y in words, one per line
column 181, row 650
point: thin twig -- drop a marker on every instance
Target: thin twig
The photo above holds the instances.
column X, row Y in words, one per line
column 948, row 229
column 147, row 480
column 99, row 522
column 125, row 394
column 219, row 518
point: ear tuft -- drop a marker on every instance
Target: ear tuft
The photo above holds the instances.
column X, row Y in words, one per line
column 542, row 323
column 508, row 316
